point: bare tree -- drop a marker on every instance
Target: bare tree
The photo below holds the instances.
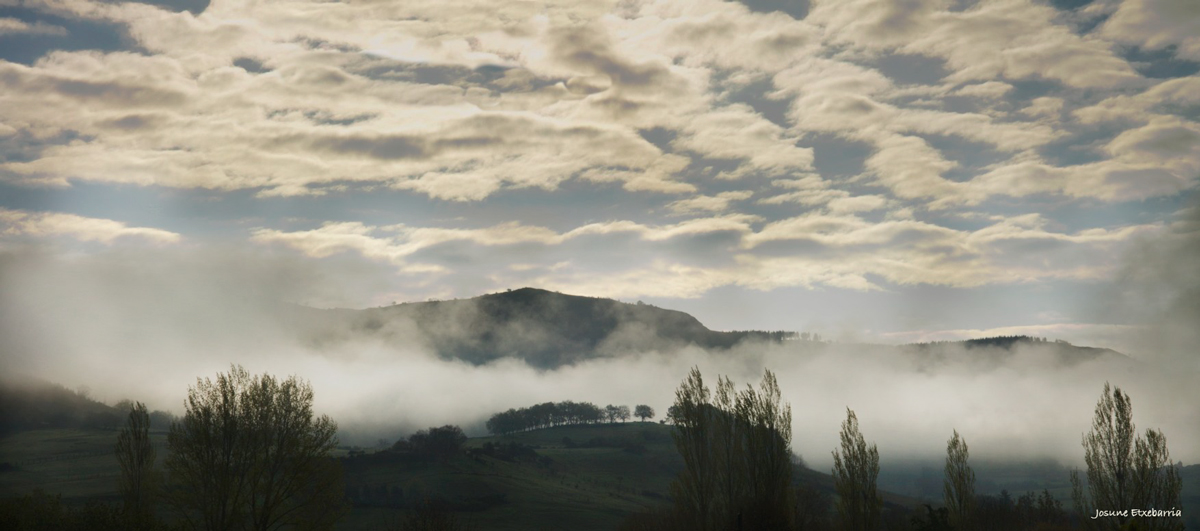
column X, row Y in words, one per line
column 248, row 454
column 623, row 413
column 959, row 485
column 855, row 471
column 135, row 453
column 1125, row 471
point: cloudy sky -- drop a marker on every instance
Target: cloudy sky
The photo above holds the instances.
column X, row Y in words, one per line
column 891, row 170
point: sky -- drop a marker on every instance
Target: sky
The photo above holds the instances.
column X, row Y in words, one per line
column 895, row 171
column 891, row 170
column 884, row 171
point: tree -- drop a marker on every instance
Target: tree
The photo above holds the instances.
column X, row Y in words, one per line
column 855, row 471
column 612, row 413
column 124, row 405
column 249, row 454
column 672, row 414
column 959, row 486
column 694, row 491
column 440, row 442
column 623, row 413
column 1124, row 470
column 135, row 454
column 643, row 412
column 736, row 453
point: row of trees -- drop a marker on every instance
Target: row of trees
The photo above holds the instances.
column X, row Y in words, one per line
column 1125, row 471
column 556, row 414
column 737, row 474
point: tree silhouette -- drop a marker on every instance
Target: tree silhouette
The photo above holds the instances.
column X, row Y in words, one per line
column 736, row 453
column 135, row 454
column 1125, row 471
column 623, row 413
column 855, row 471
column 959, row 486
column 546, row 415
column 643, row 412
column 612, row 413
column 440, row 442
column 248, row 454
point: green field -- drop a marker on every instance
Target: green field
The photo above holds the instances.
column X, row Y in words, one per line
column 569, row 485
column 586, row 477
column 589, row 486
column 77, row 463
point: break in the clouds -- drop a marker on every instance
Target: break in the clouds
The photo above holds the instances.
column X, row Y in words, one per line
column 695, row 150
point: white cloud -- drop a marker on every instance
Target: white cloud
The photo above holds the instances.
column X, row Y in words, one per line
column 708, row 203
column 12, row 26
column 836, row 248
column 876, row 23
column 1018, row 39
column 1157, row 24
column 813, row 191
column 987, row 89
column 393, row 95
column 1179, row 92
column 737, row 132
column 1044, row 107
column 106, row 231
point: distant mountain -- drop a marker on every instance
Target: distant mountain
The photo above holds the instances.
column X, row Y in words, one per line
column 548, row 330
column 544, row 328
column 992, row 351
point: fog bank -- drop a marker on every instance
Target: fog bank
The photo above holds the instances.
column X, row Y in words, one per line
column 144, row 324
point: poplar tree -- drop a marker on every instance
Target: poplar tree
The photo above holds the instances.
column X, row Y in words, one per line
column 736, row 449
column 135, row 454
column 959, row 486
column 855, row 472
column 1125, row 471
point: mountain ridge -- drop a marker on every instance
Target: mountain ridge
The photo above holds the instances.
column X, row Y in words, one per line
column 547, row 330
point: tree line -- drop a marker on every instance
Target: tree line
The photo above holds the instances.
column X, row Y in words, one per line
column 995, row 341
column 551, row 414
column 249, row 454
column 738, row 468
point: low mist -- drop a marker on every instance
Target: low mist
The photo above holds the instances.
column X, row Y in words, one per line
column 145, row 324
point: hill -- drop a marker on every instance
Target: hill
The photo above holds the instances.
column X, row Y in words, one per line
column 990, row 352
column 544, row 328
column 34, row 404
column 548, row 330
column 39, row 405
